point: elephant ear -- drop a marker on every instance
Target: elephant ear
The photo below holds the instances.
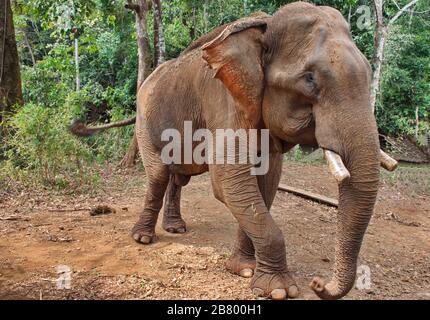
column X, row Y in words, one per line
column 235, row 55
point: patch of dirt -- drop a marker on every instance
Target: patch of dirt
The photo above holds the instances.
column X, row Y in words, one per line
column 39, row 232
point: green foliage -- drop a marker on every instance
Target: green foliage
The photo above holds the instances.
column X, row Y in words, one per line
column 40, row 147
column 297, row 153
column 406, row 82
column 40, row 144
column 45, row 84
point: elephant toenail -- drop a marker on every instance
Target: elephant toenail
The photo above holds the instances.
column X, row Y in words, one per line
column 181, row 230
column 145, row 239
column 278, row 294
column 246, row 273
column 293, row 291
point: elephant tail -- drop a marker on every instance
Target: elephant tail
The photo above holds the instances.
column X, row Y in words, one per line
column 78, row 128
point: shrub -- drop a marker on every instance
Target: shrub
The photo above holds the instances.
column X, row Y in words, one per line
column 40, row 146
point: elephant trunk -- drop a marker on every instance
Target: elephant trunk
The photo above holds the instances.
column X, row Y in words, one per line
column 357, row 196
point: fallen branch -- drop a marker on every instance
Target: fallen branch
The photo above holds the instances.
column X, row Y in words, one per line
column 14, row 218
column 309, row 195
column 69, row 210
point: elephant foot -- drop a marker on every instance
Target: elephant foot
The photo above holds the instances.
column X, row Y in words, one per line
column 241, row 265
column 141, row 234
column 174, row 225
column 277, row 286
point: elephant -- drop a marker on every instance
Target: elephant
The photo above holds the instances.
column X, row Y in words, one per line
column 299, row 75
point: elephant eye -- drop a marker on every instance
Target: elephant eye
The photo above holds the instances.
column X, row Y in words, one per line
column 310, row 88
column 309, row 76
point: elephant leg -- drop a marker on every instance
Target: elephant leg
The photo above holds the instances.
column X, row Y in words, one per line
column 240, row 192
column 172, row 220
column 268, row 186
column 242, row 259
column 158, row 179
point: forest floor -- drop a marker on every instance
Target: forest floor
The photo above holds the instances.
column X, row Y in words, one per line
column 37, row 235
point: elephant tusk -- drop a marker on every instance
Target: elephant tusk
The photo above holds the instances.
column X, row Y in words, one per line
column 387, row 162
column 336, row 166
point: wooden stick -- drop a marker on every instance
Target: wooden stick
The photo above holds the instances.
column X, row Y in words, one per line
column 309, row 195
column 14, row 218
column 68, row 210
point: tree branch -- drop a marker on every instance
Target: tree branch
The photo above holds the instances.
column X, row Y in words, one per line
column 378, row 5
column 405, row 8
column 412, row 11
column 309, row 195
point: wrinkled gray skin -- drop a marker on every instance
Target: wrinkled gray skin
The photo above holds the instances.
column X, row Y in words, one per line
column 297, row 73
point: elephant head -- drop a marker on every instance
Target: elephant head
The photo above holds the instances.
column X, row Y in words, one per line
column 299, row 74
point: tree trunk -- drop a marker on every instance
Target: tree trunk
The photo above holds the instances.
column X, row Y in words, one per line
column 24, row 31
column 28, row 45
column 428, row 146
column 144, row 51
column 377, row 62
column 130, row 157
column 144, row 69
column 417, row 122
column 159, row 43
column 78, row 77
column 10, row 77
column 380, row 36
column 193, row 24
column 206, row 16
column 349, row 15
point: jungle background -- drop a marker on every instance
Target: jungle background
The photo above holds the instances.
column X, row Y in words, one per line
column 85, row 58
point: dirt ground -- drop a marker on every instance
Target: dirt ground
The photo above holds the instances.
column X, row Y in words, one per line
column 38, row 233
